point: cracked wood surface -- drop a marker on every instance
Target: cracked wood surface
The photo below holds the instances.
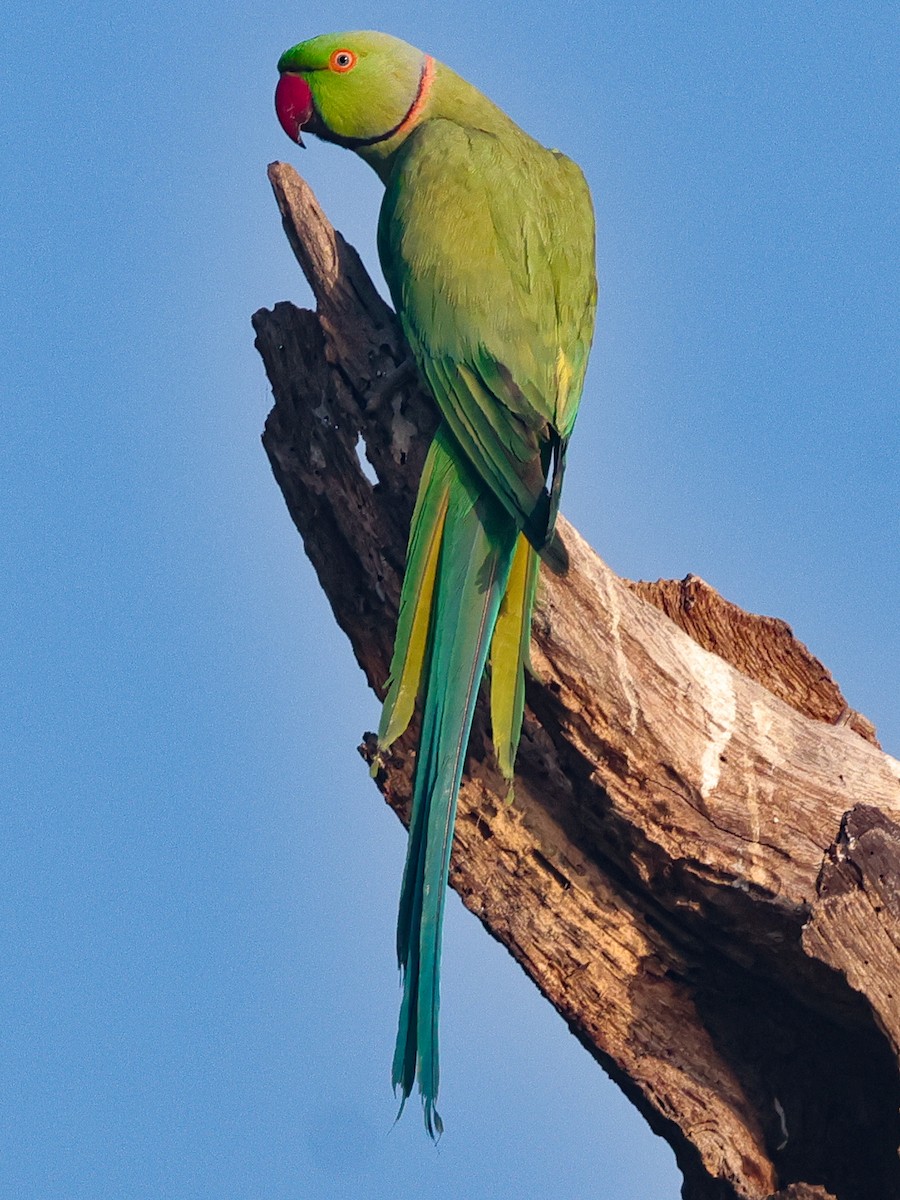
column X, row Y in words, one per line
column 674, row 805
column 855, row 924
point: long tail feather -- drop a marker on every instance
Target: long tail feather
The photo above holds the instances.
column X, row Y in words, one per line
column 414, row 621
column 464, row 584
column 509, row 655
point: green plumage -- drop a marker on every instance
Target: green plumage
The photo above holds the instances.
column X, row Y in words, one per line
column 477, row 545
column 486, row 240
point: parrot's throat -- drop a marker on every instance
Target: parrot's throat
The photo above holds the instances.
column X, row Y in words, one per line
column 411, row 117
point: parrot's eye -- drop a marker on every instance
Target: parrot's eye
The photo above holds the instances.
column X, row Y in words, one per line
column 342, row 60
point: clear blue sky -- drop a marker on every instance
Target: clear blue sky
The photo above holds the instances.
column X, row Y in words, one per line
column 199, row 880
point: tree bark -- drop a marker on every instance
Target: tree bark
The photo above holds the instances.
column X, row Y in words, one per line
column 701, row 866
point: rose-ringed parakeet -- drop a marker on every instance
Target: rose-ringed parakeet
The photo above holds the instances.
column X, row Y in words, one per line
column 486, row 240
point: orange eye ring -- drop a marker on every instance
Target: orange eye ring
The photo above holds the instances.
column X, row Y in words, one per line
column 342, row 61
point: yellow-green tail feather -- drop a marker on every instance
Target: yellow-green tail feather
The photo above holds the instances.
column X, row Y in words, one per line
column 510, row 655
column 414, row 621
column 461, row 549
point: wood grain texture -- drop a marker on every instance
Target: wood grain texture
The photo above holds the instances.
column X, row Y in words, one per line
column 855, row 923
column 803, row 1191
column 685, row 772
column 762, row 647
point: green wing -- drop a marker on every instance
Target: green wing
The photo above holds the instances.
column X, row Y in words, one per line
column 487, row 245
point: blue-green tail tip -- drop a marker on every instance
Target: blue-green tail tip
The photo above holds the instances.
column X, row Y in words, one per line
column 433, row 1123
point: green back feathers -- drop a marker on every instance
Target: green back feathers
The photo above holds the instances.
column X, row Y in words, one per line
column 498, row 316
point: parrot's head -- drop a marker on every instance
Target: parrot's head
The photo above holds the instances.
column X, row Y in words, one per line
column 356, row 89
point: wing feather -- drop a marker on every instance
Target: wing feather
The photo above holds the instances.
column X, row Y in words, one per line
column 496, row 297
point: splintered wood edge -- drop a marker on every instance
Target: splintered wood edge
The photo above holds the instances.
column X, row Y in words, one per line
column 763, row 648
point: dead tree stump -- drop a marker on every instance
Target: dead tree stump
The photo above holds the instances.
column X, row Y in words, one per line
column 701, row 868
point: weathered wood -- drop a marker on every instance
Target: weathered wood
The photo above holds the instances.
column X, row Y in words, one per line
column 803, row 1191
column 762, row 647
column 855, row 924
column 673, row 806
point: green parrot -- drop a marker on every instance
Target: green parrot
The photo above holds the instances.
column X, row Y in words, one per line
column 486, row 240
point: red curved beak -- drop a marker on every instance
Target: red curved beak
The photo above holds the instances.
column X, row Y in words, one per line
column 293, row 105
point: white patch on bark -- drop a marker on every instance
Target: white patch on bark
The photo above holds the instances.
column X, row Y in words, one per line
column 764, row 719
column 760, row 787
column 719, row 702
column 623, row 669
